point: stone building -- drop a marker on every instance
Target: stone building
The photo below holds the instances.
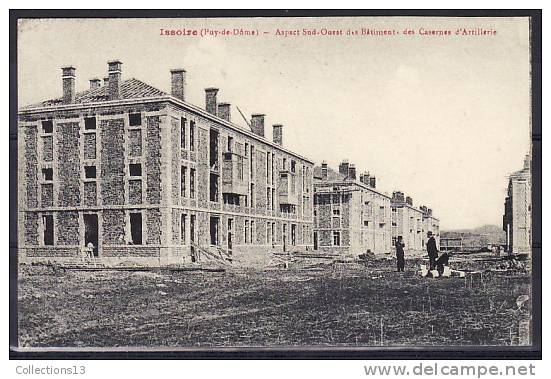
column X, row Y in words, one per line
column 350, row 214
column 517, row 220
column 146, row 176
column 412, row 223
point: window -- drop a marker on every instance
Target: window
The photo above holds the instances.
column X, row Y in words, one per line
column 247, row 231
column 183, row 222
column 366, row 223
column 90, row 172
column 240, row 167
column 47, row 126
column 246, row 149
column 268, row 168
column 272, row 171
column 214, row 187
column 48, row 229
column 192, row 183
column 253, row 232
column 230, row 144
column 213, row 149
column 251, row 162
column 293, row 166
column 90, row 123
column 268, row 198
column 268, row 233
column 336, row 238
column 183, row 174
column 135, row 169
column 293, row 234
column 251, row 195
column 48, row 174
column 135, row 119
column 284, row 165
column 336, row 212
column 136, row 228
column 192, row 135
column 214, row 230
column 231, row 199
column 394, row 223
column 183, row 131
column 273, row 233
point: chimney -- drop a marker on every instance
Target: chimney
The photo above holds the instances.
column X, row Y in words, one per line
column 115, row 80
column 68, row 79
column 178, row 83
column 373, row 182
column 224, row 111
column 364, row 178
column 95, row 83
column 210, row 100
column 324, row 170
column 429, row 212
column 257, row 124
column 409, row 200
column 352, row 172
column 343, row 167
column 106, row 81
column 398, row 196
column 278, row 135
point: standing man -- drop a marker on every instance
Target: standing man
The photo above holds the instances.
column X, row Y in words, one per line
column 432, row 251
column 400, row 261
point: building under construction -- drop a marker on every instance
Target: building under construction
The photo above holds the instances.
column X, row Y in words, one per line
column 412, row 223
column 351, row 216
column 143, row 175
column 517, row 219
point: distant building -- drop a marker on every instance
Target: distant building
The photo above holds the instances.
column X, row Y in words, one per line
column 146, row 176
column 517, row 220
column 412, row 223
column 350, row 214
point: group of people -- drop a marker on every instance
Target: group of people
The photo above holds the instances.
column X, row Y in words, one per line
column 435, row 262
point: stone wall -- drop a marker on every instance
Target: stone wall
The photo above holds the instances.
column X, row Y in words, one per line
column 68, row 163
column 112, row 161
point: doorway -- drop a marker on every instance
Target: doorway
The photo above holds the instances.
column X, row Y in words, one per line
column 230, row 234
column 91, row 232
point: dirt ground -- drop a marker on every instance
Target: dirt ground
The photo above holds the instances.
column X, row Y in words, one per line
column 308, row 304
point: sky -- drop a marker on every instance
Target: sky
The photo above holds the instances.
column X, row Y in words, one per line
column 444, row 119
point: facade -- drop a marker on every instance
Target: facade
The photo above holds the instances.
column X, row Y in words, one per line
column 145, row 176
column 350, row 216
column 517, row 220
column 412, row 223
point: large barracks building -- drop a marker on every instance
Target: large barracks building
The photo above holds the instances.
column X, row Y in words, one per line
column 145, row 176
column 142, row 176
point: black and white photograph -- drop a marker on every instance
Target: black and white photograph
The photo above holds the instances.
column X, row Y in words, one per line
column 276, row 182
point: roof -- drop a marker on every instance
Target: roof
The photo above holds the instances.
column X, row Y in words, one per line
column 134, row 89
column 332, row 175
column 130, row 89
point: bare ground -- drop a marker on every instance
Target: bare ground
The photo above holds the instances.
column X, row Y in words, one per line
column 346, row 304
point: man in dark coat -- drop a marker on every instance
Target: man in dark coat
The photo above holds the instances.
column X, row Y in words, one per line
column 400, row 260
column 432, row 250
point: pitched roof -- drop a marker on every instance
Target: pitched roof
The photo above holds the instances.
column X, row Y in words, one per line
column 332, row 175
column 130, row 89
